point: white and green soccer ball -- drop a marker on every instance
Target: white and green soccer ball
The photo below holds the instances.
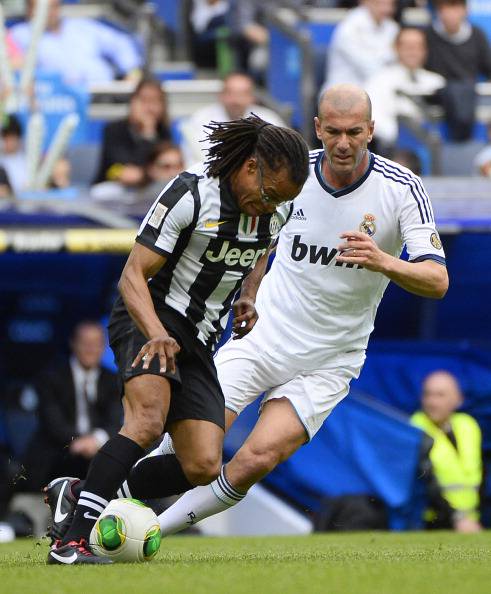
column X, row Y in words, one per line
column 126, row 531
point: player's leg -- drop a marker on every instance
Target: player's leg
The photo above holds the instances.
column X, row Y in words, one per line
column 201, row 400
column 145, row 403
column 276, row 436
column 197, row 461
column 292, row 413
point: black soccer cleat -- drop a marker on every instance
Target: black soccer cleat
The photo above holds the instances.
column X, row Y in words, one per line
column 75, row 553
column 62, row 502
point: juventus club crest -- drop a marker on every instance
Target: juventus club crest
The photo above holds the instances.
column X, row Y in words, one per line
column 368, row 225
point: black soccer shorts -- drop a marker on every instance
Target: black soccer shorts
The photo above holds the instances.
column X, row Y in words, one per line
column 195, row 390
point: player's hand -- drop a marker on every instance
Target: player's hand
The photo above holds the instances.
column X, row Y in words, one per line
column 245, row 316
column 360, row 248
column 131, row 175
column 467, row 526
column 85, row 445
column 164, row 347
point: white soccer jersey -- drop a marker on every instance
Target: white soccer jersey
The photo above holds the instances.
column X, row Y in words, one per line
column 314, row 311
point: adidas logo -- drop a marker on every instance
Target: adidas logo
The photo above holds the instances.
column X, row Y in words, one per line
column 298, row 215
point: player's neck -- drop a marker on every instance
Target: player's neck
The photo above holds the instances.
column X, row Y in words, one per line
column 336, row 180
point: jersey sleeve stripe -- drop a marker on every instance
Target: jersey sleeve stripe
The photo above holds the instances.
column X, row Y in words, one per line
column 151, row 246
column 415, row 180
column 404, row 183
column 434, row 257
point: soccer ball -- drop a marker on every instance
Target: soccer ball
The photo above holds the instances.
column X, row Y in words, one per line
column 126, row 531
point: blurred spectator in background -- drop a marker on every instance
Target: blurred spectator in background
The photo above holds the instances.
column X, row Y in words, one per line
column 362, row 43
column 237, row 100
column 391, row 88
column 207, row 18
column 5, row 188
column 456, row 452
column 79, row 409
column 248, row 35
column 81, row 51
column 12, row 154
column 482, row 162
column 60, row 178
column 128, row 143
column 164, row 163
column 460, row 52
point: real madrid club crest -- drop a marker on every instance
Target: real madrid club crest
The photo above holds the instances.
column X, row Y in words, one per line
column 435, row 241
column 274, row 224
column 368, row 225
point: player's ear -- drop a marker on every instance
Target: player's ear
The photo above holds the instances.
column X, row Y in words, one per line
column 317, row 124
column 371, row 127
column 251, row 165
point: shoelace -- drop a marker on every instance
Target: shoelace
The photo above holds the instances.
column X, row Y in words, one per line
column 81, row 547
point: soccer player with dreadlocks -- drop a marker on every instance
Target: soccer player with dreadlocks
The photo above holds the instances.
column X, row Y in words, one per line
column 205, row 231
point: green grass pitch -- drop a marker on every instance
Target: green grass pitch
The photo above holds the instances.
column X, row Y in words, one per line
column 370, row 563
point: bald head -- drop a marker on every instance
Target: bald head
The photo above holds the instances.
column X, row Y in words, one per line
column 441, row 396
column 344, row 99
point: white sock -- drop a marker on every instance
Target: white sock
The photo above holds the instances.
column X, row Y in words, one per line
column 198, row 504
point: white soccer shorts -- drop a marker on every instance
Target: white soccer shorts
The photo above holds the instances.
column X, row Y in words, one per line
column 245, row 371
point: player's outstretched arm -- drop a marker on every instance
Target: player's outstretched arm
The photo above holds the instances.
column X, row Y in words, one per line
column 245, row 314
column 426, row 279
column 141, row 265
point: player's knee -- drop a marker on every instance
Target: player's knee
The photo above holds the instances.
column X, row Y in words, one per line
column 257, row 460
column 144, row 426
column 203, row 469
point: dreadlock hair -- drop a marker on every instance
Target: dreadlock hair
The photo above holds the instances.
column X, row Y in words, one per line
column 234, row 142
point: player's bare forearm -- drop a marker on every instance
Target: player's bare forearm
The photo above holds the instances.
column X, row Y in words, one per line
column 251, row 283
column 426, row 279
column 142, row 263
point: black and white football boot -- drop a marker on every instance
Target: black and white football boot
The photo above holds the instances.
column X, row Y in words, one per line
column 59, row 496
column 75, row 553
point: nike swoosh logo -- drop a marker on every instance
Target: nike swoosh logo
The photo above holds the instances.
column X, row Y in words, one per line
column 59, row 517
column 211, row 224
column 90, row 517
column 67, row 560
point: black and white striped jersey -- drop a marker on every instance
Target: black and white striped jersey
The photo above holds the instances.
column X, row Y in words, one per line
column 209, row 245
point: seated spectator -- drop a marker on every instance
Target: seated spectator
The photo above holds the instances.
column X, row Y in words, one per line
column 207, row 17
column 236, row 101
column 362, row 43
column 12, row 154
column 5, row 188
column 460, row 52
column 456, row 452
column 482, row 162
column 79, row 409
column 391, row 88
column 60, row 178
column 128, row 143
column 81, row 51
column 249, row 36
column 164, row 163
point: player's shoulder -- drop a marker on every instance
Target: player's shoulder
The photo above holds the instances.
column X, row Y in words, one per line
column 390, row 170
column 314, row 156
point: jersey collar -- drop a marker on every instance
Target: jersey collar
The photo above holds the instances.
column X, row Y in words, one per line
column 347, row 189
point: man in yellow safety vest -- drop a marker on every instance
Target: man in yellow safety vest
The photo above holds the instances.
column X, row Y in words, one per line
column 456, row 452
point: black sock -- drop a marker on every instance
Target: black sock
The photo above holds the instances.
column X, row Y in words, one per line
column 78, row 488
column 154, row 477
column 107, row 470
